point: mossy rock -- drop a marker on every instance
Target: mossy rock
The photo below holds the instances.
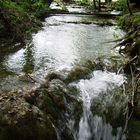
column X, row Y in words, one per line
column 59, row 102
column 136, row 21
column 77, row 73
column 54, row 75
column 80, row 72
column 21, row 121
column 28, row 129
column 47, row 105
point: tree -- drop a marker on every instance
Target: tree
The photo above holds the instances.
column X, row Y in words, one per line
column 94, row 3
column 128, row 5
column 99, row 5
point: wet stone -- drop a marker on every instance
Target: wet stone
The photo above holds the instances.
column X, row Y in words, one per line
column 22, row 117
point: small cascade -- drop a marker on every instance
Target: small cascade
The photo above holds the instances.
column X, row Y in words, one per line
column 66, row 42
column 92, row 126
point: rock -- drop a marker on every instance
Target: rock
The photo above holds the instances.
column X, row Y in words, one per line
column 19, row 91
column 20, row 120
column 60, row 104
column 1, row 99
column 54, row 75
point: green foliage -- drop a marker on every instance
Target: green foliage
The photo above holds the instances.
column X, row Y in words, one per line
column 121, row 5
column 20, row 18
column 127, row 21
column 124, row 21
column 80, row 72
column 136, row 21
column 84, row 2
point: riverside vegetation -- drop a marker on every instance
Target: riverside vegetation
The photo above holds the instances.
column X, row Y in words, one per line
column 18, row 19
column 130, row 48
column 39, row 113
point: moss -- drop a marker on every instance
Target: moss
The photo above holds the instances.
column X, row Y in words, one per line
column 54, row 75
column 84, row 2
column 120, row 5
column 80, row 72
column 124, row 21
column 136, row 21
column 49, row 107
column 21, row 121
column 133, row 35
column 28, row 129
column 128, row 22
column 77, row 73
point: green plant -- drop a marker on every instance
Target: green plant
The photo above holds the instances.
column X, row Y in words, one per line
column 84, row 2
column 121, row 5
column 20, row 18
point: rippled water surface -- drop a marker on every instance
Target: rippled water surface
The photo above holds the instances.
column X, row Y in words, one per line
column 64, row 42
column 61, row 45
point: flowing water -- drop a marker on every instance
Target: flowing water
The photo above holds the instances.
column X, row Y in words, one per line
column 63, row 43
column 93, row 126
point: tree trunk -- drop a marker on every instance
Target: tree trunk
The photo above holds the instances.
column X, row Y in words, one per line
column 99, row 6
column 48, row 2
column 94, row 3
column 128, row 5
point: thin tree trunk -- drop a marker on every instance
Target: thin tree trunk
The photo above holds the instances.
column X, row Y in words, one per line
column 129, row 9
column 99, row 6
column 94, row 3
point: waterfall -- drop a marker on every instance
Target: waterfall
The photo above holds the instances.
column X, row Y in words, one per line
column 92, row 126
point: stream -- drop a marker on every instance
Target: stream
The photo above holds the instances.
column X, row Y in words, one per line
column 64, row 42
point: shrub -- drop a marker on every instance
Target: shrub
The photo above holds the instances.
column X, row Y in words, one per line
column 121, row 5
column 20, row 18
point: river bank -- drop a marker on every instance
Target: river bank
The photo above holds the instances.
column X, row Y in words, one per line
column 74, row 88
column 47, row 76
column 130, row 47
column 19, row 20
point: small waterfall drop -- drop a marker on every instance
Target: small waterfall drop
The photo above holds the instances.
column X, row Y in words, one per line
column 92, row 126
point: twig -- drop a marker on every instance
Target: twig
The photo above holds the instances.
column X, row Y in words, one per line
column 128, row 63
column 130, row 107
column 128, row 117
column 32, row 78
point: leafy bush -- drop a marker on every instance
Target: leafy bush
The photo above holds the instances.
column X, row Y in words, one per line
column 136, row 21
column 20, row 18
column 124, row 21
column 84, row 2
column 128, row 22
column 121, row 5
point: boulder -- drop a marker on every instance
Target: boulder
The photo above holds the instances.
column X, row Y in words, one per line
column 21, row 121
